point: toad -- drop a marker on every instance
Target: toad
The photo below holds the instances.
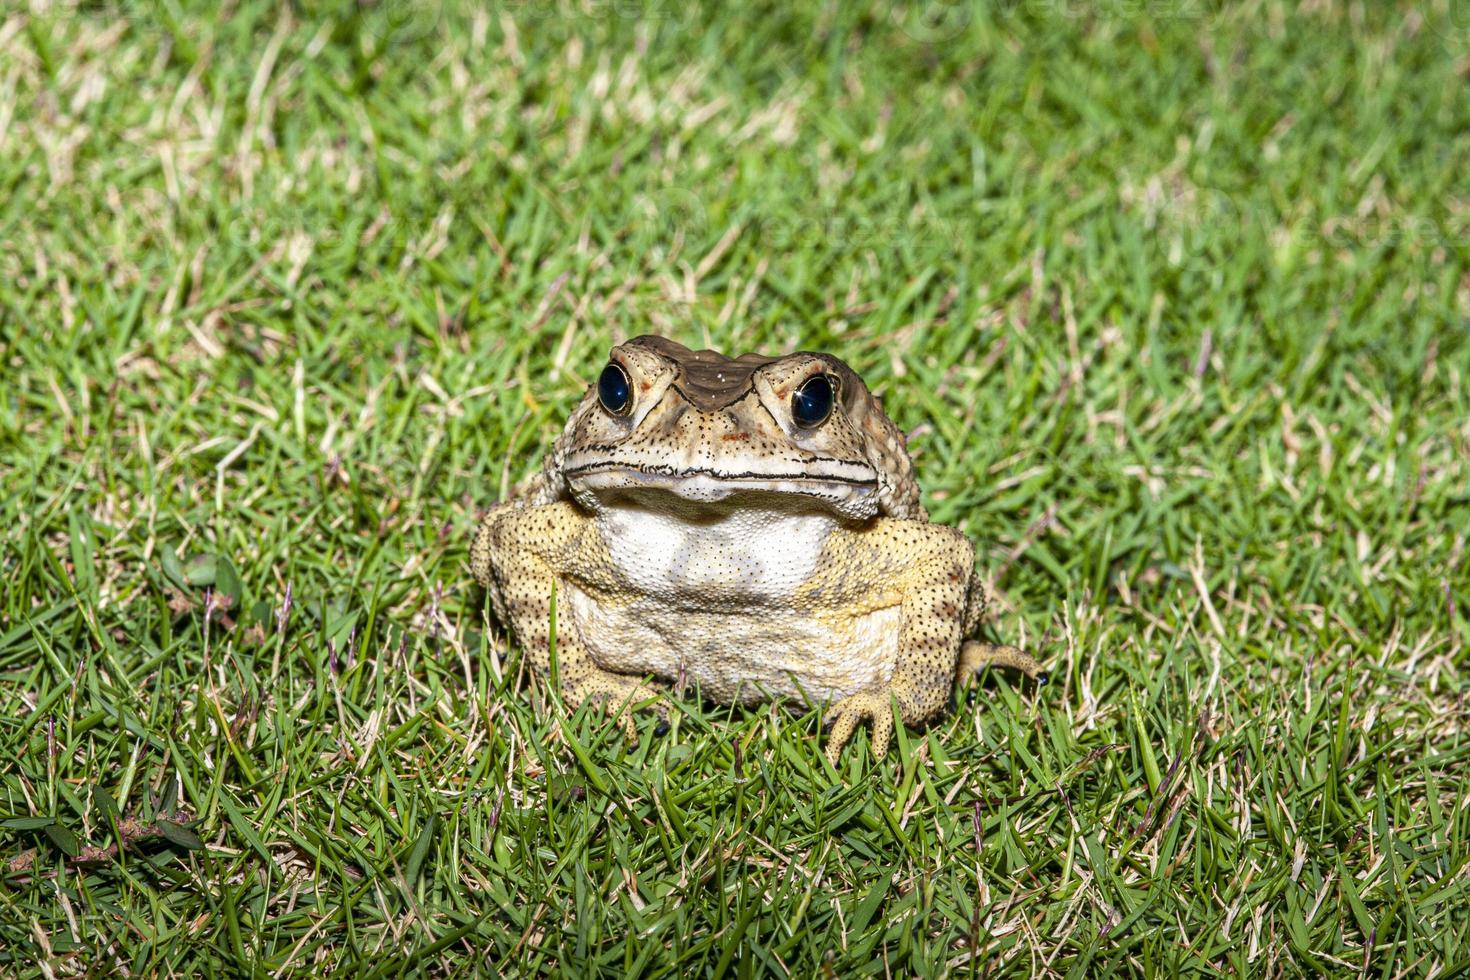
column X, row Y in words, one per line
column 750, row 526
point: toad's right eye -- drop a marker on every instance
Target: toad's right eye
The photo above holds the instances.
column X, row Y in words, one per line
column 613, row 390
column 812, row 402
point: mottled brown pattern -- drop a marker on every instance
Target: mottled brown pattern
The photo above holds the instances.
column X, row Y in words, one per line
column 700, row 535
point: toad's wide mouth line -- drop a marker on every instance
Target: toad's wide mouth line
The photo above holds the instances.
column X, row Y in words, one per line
column 656, row 476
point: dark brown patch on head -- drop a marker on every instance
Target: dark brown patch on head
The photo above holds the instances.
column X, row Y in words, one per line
column 736, row 436
column 709, row 379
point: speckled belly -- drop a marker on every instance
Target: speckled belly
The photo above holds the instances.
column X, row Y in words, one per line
column 711, row 596
column 742, row 656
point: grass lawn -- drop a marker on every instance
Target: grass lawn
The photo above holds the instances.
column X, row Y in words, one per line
column 1171, row 296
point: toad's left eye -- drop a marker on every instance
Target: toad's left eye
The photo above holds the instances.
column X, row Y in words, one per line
column 613, row 389
column 812, row 402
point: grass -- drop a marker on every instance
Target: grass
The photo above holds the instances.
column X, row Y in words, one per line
column 1173, row 298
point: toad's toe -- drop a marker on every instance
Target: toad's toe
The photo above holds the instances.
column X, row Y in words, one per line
column 845, row 715
column 619, row 697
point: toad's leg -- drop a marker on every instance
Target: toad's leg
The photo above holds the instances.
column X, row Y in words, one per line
column 975, row 656
column 930, row 570
column 515, row 556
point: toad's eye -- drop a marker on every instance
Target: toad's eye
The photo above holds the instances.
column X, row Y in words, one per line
column 613, row 389
column 812, row 402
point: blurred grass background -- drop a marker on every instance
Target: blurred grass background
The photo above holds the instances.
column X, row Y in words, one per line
column 1171, row 295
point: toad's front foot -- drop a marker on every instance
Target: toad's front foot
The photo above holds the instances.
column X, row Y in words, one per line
column 618, row 695
column 845, row 715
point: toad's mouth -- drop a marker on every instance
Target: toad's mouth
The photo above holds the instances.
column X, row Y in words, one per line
column 854, row 495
